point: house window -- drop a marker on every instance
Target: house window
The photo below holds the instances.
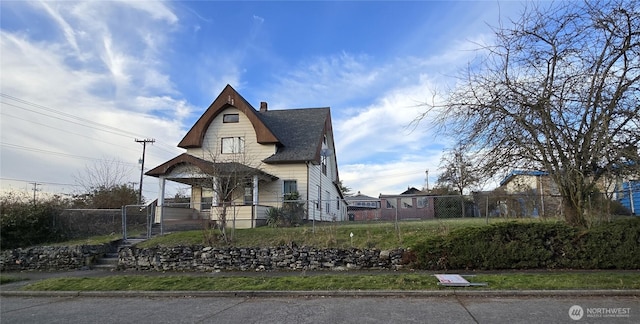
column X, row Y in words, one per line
column 338, row 203
column 230, row 118
column 406, row 202
column 232, row 145
column 248, row 194
column 391, row 204
column 422, row 202
column 326, row 203
column 319, row 198
column 290, row 186
column 324, row 165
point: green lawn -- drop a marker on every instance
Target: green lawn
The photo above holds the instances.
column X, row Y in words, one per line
column 381, row 235
column 400, row 281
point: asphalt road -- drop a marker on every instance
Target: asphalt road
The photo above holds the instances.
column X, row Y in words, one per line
column 317, row 309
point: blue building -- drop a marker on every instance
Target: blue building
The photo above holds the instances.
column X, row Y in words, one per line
column 628, row 193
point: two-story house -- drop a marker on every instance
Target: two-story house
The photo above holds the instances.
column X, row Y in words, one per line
column 245, row 160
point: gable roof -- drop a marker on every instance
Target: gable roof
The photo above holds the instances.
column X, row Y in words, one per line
column 297, row 133
column 205, row 166
column 229, row 97
column 412, row 191
column 360, row 196
column 300, row 132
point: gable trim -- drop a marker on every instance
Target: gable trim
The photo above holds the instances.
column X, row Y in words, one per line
column 229, row 97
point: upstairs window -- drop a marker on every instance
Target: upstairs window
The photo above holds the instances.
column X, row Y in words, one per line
column 232, row 145
column 230, row 118
column 324, row 165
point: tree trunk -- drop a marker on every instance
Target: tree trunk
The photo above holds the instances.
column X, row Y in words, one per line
column 573, row 203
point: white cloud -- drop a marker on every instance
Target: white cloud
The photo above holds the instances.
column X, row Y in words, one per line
column 57, row 96
column 105, row 61
column 157, row 10
column 69, row 33
column 380, row 148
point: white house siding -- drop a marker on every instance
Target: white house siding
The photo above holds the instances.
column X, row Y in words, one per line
column 253, row 154
column 315, row 176
column 271, row 193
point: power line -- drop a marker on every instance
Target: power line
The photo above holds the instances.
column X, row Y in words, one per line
column 84, row 120
column 100, row 126
column 20, row 147
column 72, row 133
column 41, row 182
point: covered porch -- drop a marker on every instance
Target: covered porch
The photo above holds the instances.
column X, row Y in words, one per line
column 220, row 192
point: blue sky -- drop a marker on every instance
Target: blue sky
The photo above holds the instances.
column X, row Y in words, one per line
column 81, row 80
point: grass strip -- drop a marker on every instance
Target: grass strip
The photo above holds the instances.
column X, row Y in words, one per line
column 4, row 279
column 552, row 281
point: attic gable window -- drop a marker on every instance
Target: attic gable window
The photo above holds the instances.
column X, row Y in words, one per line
column 232, row 145
column 230, row 118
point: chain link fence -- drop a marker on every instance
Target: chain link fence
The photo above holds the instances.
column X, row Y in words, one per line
column 178, row 216
column 81, row 223
column 398, row 208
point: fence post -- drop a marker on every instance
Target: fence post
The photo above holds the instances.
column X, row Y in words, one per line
column 486, row 211
column 124, row 223
column 149, row 220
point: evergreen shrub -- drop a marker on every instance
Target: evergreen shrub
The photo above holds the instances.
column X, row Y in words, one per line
column 515, row 245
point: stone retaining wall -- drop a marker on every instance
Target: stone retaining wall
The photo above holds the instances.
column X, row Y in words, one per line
column 199, row 258
column 53, row 258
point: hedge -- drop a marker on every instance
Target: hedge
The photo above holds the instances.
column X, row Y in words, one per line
column 514, row 245
column 27, row 225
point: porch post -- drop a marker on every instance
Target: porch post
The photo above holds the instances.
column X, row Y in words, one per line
column 215, row 196
column 254, row 209
column 161, row 183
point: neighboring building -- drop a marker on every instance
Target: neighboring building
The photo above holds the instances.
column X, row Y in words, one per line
column 258, row 157
column 411, row 204
column 534, row 193
column 627, row 192
column 362, row 207
column 529, row 193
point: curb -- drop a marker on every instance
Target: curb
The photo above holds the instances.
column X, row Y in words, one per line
column 327, row 293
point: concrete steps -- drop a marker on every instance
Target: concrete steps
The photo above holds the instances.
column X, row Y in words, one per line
column 109, row 261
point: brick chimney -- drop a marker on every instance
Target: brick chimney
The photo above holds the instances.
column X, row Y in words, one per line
column 263, row 106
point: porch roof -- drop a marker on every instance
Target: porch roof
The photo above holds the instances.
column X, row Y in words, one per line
column 206, row 168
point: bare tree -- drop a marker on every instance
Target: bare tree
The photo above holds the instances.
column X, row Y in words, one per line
column 104, row 185
column 458, row 171
column 558, row 91
column 229, row 174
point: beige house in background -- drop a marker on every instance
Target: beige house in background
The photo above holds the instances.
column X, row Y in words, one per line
column 260, row 156
column 530, row 193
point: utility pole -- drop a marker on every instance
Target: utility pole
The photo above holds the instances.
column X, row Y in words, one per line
column 427, row 181
column 35, row 189
column 144, row 148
